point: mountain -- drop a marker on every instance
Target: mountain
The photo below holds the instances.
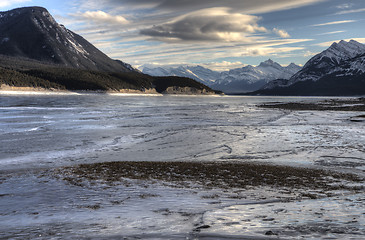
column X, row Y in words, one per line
column 199, row 73
column 338, row 70
column 32, row 33
column 248, row 78
column 329, row 61
column 36, row 51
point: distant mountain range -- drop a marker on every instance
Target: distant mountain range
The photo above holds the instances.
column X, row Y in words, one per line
column 36, row 51
column 245, row 79
column 339, row 70
column 251, row 78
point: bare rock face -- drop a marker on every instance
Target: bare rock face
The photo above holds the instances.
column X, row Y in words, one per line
column 33, row 33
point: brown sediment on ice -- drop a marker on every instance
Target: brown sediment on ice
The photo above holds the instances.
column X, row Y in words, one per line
column 212, row 175
column 326, row 105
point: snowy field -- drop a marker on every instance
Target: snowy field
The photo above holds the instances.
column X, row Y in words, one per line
column 46, row 194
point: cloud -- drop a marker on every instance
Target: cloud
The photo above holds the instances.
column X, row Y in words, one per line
column 325, row 44
column 187, row 30
column 269, row 51
column 345, row 6
column 166, row 53
column 310, row 54
column 281, row 33
column 333, row 23
column 207, row 25
column 103, row 17
column 215, row 66
column 242, row 6
column 351, row 11
column 6, row 3
column 330, row 33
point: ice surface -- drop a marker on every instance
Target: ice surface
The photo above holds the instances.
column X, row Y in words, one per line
column 39, row 133
column 167, row 129
column 333, row 217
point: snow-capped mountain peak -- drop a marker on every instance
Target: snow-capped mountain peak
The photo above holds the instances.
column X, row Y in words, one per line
column 351, row 46
column 270, row 63
column 334, row 59
column 338, row 52
column 293, row 65
column 346, row 49
column 338, row 70
column 247, row 78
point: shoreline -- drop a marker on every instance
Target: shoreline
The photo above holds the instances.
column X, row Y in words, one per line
column 109, row 93
column 11, row 90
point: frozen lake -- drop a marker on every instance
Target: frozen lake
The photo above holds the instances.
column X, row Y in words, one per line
column 43, row 132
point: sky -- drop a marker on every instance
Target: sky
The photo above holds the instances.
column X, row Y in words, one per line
column 218, row 34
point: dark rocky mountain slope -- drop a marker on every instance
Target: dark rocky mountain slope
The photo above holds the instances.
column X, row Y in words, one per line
column 34, row 34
